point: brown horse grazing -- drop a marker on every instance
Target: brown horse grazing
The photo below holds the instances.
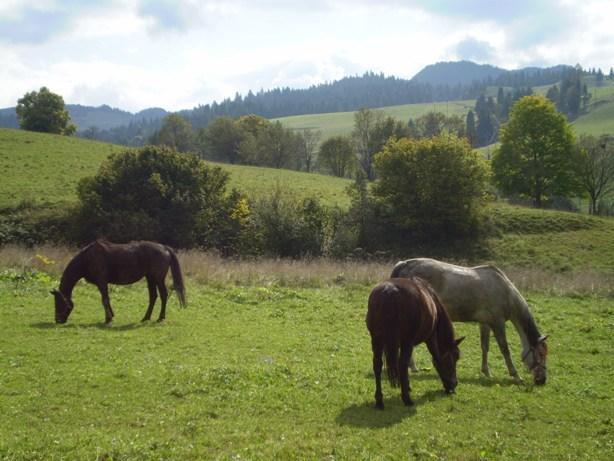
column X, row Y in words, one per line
column 102, row 262
column 403, row 313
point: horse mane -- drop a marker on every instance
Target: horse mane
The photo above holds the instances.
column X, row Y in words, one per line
column 444, row 327
column 72, row 273
column 521, row 310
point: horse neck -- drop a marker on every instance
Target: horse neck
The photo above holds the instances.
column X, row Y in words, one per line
column 525, row 325
column 72, row 274
column 444, row 328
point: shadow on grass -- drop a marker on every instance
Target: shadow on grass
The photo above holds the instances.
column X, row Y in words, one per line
column 98, row 325
column 366, row 415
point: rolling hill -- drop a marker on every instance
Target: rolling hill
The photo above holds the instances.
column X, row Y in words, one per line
column 341, row 123
column 44, row 169
column 457, row 73
column 599, row 119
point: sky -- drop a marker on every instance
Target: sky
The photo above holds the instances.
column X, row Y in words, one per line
column 136, row 54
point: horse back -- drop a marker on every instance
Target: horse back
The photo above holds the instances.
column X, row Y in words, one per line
column 481, row 293
column 402, row 305
column 126, row 263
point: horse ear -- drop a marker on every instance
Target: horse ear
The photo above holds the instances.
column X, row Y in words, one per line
column 543, row 338
column 459, row 340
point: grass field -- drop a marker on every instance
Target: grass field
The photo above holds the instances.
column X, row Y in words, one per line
column 45, row 169
column 600, row 117
column 552, row 240
column 342, row 123
column 265, row 371
column 598, row 120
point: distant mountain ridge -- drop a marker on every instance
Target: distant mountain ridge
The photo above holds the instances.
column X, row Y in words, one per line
column 457, row 73
column 102, row 117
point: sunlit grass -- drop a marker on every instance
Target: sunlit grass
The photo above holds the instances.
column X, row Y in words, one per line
column 281, row 372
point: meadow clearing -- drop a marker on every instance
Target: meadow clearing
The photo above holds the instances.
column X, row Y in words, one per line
column 272, row 360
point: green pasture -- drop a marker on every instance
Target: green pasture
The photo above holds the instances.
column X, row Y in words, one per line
column 260, row 181
column 551, row 240
column 600, row 118
column 342, row 123
column 45, row 169
column 271, row 372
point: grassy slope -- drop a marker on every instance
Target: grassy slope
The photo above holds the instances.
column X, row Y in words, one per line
column 529, row 241
column 553, row 240
column 46, row 169
column 341, row 123
column 600, row 117
column 281, row 373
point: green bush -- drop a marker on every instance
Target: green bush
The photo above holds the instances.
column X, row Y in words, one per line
column 431, row 190
column 28, row 224
column 287, row 227
column 155, row 193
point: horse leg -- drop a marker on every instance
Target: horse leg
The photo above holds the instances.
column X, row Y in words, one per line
column 106, row 302
column 163, row 296
column 412, row 362
column 499, row 331
column 406, row 351
column 484, row 340
column 153, row 295
column 378, row 350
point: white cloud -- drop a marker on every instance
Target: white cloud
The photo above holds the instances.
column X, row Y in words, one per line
column 136, row 54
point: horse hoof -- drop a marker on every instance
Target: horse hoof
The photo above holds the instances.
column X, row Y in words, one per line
column 379, row 405
column 518, row 379
column 160, row 320
column 145, row 319
column 408, row 402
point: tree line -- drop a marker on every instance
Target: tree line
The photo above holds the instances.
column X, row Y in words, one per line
column 417, row 183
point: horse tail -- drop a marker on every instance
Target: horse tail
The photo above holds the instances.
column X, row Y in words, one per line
column 177, row 278
column 390, row 310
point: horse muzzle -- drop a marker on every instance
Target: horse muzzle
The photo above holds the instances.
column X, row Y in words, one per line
column 539, row 376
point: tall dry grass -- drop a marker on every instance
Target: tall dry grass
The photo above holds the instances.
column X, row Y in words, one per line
column 210, row 268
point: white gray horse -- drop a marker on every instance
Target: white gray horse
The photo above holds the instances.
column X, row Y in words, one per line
column 485, row 295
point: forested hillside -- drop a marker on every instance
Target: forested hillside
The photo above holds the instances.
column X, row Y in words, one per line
column 437, row 83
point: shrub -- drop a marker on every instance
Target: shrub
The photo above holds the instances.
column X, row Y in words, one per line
column 287, row 227
column 158, row 194
column 430, row 189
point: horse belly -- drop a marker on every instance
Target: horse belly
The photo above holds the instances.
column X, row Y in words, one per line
column 125, row 272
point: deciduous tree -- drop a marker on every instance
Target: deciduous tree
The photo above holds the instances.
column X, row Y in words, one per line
column 221, row 139
column 44, row 111
column 307, row 148
column 596, row 168
column 431, row 187
column 337, row 155
column 176, row 133
column 536, row 155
